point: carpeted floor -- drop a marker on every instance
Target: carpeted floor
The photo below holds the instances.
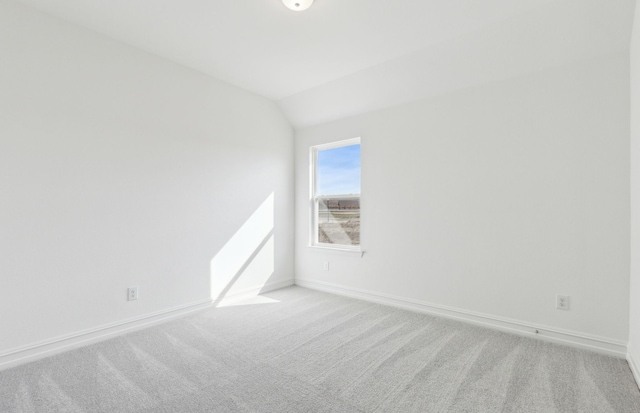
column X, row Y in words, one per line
column 298, row 350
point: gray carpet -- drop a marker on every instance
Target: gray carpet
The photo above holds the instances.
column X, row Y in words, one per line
column 307, row 351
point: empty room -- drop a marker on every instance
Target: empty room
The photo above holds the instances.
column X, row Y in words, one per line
column 319, row 206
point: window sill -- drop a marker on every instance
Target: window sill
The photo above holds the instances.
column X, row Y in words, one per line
column 322, row 248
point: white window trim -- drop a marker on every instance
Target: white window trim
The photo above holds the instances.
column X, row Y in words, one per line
column 313, row 198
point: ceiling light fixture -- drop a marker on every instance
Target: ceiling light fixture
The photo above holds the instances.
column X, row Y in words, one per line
column 298, row 5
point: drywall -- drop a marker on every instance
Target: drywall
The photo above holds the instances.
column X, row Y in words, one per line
column 489, row 201
column 634, row 313
column 117, row 169
column 554, row 33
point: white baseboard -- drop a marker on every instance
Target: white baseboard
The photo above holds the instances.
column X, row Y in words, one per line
column 634, row 366
column 46, row 348
column 252, row 292
column 551, row 334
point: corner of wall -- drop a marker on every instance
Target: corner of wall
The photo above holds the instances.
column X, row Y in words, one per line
column 634, row 365
column 633, row 353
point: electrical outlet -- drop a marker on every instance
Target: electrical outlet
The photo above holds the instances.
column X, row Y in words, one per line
column 326, row 266
column 562, row 302
column 132, row 293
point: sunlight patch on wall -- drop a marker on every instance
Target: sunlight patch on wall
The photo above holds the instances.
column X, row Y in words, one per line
column 246, row 262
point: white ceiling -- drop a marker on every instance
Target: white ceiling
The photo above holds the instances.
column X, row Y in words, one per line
column 344, row 57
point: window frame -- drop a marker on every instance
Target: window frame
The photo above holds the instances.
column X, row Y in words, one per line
column 314, row 198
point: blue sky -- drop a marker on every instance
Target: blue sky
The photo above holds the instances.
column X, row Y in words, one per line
column 339, row 170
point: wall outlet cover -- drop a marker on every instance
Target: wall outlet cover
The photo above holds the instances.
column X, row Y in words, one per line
column 562, row 302
column 132, row 293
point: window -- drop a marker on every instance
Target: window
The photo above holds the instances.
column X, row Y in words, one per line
column 335, row 195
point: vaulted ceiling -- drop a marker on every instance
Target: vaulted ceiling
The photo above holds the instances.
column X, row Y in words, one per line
column 344, row 57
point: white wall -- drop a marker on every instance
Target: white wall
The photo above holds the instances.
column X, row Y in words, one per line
column 634, row 314
column 118, row 168
column 492, row 200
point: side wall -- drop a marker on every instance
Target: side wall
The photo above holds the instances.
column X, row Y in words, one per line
column 634, row 313
column 485, row 203
column 118, row 169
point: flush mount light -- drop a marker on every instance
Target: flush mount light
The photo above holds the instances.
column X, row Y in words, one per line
column 298, row 5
